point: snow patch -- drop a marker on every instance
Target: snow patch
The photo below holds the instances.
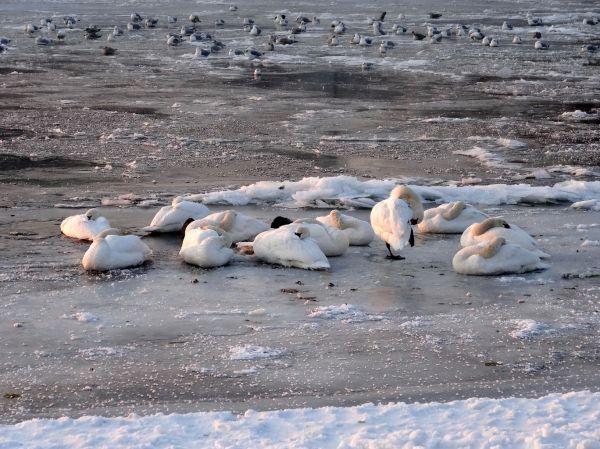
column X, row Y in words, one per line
column 346, row 313
column 568, row 420
column 252, row 352
column 527, row 329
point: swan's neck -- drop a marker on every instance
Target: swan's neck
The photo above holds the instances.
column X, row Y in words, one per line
column 492, row 248
column 227, row 220
column 454, row 211
column 486, row 225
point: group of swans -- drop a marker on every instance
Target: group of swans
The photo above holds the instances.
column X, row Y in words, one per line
column 490, row 245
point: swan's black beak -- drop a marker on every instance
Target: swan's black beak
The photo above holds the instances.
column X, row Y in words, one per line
column 299, row 234
column 414, row 221
column 506, row 225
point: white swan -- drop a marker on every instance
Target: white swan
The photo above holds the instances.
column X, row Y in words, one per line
column 391, row 219
column 172, row 218
column 450, row 218
column 206, row 247
column 84, row 226
column 332, row 241
column 496, row 256
column 496, row 227
column 359, row 232
column 240, row 227
column 290, row 246
column 110, row 251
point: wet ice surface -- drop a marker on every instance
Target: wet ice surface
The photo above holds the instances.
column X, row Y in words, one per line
column 79, row 127
column 172, row 337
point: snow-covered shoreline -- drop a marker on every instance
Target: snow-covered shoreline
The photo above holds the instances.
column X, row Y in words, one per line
column 347, row 191
column 568, row 420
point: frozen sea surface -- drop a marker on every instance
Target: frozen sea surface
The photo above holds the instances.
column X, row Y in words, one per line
column 169, row 337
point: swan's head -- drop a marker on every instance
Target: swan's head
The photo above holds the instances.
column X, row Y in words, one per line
column 92, row 214
column 414, row 201
column 454, row 210
column 336, row 218
column 280, row 221
column 228, row 219
column 491, row 248
column 107, row 232
column 490, row 223
column 302, row 232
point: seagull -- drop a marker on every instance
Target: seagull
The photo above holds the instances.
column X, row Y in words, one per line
column 516, row 40
column 506, row 26
column 355, row 39
column 534, row 21
column 202, row 53
column 233, row 8
column 108, row 51
column 133, row 26
column 398, row 29
column 418, row 36
column 365, row 41
column 43, row 40
column 194, row 18
column 378, row 28
column 541, row 45
column 333, row 40
column 435, row 15
column 135, row 17
column 252, row 53
column 255, row 31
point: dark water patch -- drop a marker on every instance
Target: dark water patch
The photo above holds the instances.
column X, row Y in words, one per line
column 8, row 133
column 7, row 95
column 7, row 70
column 141, row 110
column 15, row 162
column 323, row 160
column 345, row 84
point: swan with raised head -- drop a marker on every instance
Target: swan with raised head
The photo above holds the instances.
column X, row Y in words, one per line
column 496, row 256
column 290, row 246
column 450, row 218
column 84, row 226
column 238, row 226
column 111, row 250
column 206, row 247
column 359, row 232
column 496, row 227
column 172, row 218
column 391, row 219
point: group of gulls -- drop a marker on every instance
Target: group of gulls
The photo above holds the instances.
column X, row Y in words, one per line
column 490, row 246
column 208, row 44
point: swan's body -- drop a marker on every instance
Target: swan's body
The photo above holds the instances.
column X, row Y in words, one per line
column 206, row 247
column 391, row 218
column 240, row 227
column 84, row 226
column 290, row 246
column 359, row 232
column 332, row 241
column 494, row 227
column 110, row 251
column 450, row 218
column 172, row 218
column 495, row 256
